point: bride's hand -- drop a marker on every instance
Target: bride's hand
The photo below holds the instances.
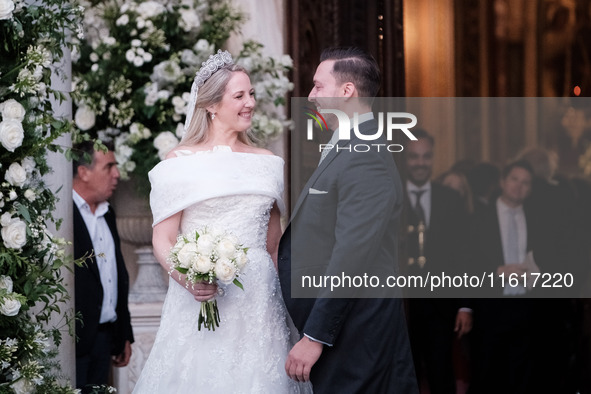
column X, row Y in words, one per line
column 203, row 291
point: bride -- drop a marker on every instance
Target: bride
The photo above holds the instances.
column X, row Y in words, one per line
column 215, row 177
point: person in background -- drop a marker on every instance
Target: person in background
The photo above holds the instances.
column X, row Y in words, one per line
column 101, row 283
column 457, row 181
column 433, row 322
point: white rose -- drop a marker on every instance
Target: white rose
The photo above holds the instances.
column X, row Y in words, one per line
column 11, row 134
column 180, row 130
column 189, row 20
column 202, row 46
column 177, row 101
column 241, row 259
column 5, row 219
column 28, row 164
column 136, row 43
column 10, row 307
column 16, row 175
column 206, row 244
column 202, row 264
column 138, row 61
column 6, row 8
column 15, row 234
column 130, row 55
column 150, row 9
column 129, row 166
column 286, row 61
column 122, row 20
column 167, row 72
column 12, row 109
column 226, row 248
column 163, row 94
column 23, row 386
column 147, row 56
column 187, row 255
column 165, row 142
column 189, row 57
column 12, row 195
column 84, row 118
column 225, row 271
column 6, row 283
column 30, row 195
column 94, row 67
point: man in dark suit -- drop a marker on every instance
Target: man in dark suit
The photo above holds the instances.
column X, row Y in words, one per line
column 435, row 227
column 102, row 283
column 517, row 339
column 345, row 224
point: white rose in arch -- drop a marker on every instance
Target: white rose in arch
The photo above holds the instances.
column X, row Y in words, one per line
column 15, row 234
column 6, row 283
column 30, row 195
column 189, row 20
column 12, row 109
column 6, row 8
column 28, row 164
column 165, row 142
column 10, row 306
column 187, row 255
column 225, row 271
column 6, row 219
column 85, row 118
column 11, row 134
column 202, row 264
column 16, row 175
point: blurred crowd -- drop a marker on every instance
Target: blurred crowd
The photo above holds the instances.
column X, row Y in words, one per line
column 523, row 217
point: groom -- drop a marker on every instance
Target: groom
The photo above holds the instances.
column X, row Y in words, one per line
column 345, row 223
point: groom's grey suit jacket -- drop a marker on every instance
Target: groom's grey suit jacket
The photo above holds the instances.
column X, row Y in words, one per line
column 345, row 222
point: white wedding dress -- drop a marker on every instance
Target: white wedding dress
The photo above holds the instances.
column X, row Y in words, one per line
column 246, row 354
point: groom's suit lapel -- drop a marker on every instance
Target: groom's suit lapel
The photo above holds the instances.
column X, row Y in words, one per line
column 326, row 162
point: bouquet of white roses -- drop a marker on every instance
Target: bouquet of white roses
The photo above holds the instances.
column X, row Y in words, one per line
column 209, row 255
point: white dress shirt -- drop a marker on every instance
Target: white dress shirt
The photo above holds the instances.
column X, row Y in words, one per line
column 104, row 254
column 335, row 135
column 505, row 213
column 425, row 201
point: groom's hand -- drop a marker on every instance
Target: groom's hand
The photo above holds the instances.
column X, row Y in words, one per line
column 302, row 358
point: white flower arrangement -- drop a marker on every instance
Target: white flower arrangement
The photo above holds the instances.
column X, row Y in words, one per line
column 31, row 258
column 209, row 255
column 135, row 70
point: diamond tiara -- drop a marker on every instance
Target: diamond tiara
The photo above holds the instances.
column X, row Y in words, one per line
column 214, row 63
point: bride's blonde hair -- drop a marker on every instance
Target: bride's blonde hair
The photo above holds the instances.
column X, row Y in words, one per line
column 209, row 94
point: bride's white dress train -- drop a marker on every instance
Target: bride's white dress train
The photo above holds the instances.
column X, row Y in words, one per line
column 247, row 352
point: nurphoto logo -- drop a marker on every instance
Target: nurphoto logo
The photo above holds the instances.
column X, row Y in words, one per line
column 392, row 120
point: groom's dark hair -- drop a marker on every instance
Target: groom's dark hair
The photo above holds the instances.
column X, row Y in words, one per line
column 353, row 64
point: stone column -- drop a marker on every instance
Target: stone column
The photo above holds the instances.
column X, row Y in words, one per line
column 62, row 177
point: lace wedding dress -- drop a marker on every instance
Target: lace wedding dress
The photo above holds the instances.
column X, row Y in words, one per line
column 246, row 354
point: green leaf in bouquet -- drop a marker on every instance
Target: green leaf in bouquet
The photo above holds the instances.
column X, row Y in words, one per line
column 237, row 283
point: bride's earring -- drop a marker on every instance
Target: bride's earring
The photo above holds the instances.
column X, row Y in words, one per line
column 212, row 116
